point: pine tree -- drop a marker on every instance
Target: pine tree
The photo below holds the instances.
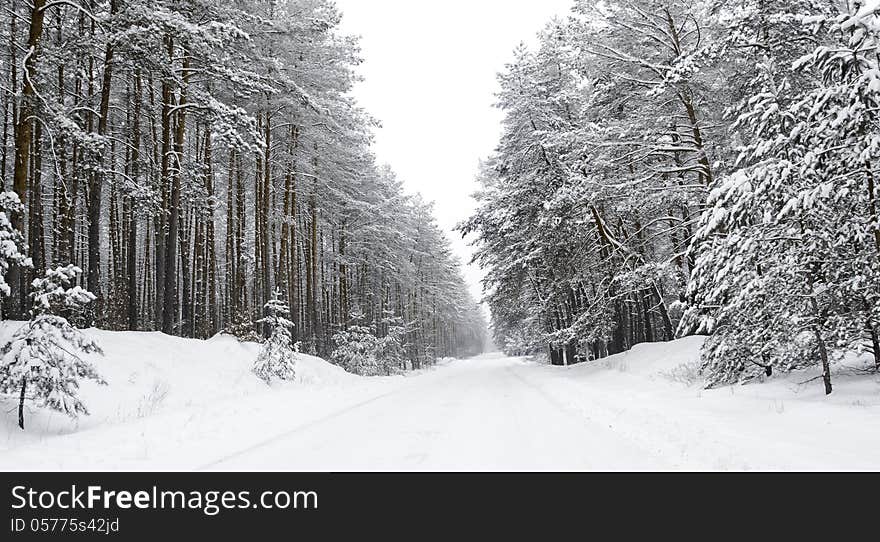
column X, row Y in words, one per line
column 277, row 357
column 392, row 347
column 786, row 272
column 12, row 246
column 358, row 349
column 45, row 356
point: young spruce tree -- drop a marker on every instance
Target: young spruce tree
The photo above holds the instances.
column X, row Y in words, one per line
column 44, row 357
column 277, row 358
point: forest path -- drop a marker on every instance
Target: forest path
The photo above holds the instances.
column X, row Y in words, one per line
column 477, row 414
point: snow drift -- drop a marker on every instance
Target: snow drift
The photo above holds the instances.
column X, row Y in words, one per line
column 153, row 375
column 654, row 396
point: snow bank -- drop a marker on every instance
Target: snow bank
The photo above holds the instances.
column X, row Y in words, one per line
column 653, row 396
column 676, row 364
column 653, row 360
column 149, row 374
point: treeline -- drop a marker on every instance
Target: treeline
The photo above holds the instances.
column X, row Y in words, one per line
column 671, row 168
column 194, row 156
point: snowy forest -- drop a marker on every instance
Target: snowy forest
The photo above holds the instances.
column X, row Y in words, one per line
column 215, row 255
column 671, row 168
column 197, row 167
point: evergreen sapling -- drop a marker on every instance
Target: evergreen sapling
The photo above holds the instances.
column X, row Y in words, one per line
column 277, row 358
column 45, row 356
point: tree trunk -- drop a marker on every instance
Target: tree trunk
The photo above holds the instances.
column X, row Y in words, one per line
column 21, row 404
column 171, row 243
column 187, row 328
column 875, row 344
column 313, row 266
column 131, row 264
column 823, row 350
column 97, row 179
column 35, row 218
column 210, row 273
column 230, row 240
column 646, row 315
column 286, row 275
column 241, row 223
column 24, row 135
column 161, row 227
column 265, row 215
column 9, row 107
column 259, row 260
column 826, row 366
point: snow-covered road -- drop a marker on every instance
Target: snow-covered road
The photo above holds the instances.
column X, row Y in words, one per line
column 478, row 414
column 180, row 404
column 623, row 413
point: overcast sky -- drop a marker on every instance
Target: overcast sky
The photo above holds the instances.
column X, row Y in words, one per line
column 430, row 71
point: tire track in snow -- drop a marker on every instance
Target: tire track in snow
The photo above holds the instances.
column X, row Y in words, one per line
column 291, row 432
column 581, row 416
column 306, row 426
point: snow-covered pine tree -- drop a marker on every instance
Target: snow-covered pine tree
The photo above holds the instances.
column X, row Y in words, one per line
column 361, row 350
column 357, row 348
column 392, row 354
column 610, row 138
column 45, row 356
column 786, row 255
column 12, row 245
column 844, row 139
column 277, row 358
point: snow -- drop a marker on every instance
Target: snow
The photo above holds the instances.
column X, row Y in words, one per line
column 180, row 404
column 780, row 424
column 153, row 379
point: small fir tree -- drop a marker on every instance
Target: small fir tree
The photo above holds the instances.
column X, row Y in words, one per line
column 277, row 358
column 44, row 357
column 357, row 347
column 393, row 345
column 361, row 351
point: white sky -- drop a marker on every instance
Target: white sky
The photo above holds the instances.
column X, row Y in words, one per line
column 430, row 72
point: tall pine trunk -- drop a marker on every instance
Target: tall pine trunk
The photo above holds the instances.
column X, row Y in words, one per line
column 24, row 136
column 169, row 313
column 131, row 263
column 97, row 179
